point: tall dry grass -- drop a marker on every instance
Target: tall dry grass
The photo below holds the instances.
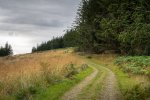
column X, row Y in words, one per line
column 22, row 75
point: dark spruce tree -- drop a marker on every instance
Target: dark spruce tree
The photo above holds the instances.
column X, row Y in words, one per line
column 71, row 38
column 6, row 51
column 119, row 25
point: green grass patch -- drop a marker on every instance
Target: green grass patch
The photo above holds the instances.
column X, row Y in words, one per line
column 54, row 92
column 131, row 88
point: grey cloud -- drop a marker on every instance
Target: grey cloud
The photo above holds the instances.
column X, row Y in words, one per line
column 40, row 13
column 36, row 21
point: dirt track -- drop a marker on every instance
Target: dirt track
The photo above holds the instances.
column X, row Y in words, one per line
column 110, row 90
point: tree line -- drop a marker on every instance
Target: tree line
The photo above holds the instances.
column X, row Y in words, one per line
column 6, row 50
column 70, row 39
column 101, row 25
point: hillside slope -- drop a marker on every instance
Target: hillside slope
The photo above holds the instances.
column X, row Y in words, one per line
column 66, row 75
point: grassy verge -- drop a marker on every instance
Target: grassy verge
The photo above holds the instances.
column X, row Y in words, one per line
column 132, row 87
column 133, row 77
column 125, row 82
column 56, row 91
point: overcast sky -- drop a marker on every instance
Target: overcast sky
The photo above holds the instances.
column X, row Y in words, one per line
column 24, row 23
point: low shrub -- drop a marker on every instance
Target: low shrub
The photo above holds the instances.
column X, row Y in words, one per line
column 71, row 70
column 84, row 66
column 22, row 94
column 26, row 94
column 89, row 57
